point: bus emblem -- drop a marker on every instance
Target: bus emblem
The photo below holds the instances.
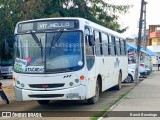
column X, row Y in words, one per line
column 67, row 76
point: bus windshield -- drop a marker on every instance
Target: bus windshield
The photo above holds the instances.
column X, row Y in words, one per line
column 48, row 52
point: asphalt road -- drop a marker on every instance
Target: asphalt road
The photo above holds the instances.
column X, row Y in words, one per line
column 106, row 100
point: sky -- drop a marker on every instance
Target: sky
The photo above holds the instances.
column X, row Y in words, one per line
column 132, row 17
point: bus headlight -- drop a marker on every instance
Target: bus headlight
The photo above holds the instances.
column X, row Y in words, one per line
column 18, row 82
column 71, row 83
column 22, row 85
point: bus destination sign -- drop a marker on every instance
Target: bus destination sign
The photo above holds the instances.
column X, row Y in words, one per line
column 48, row 25
column 55, row 25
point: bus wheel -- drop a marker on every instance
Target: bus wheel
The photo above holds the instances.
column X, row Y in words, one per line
column 119, row 85
column 95, row 98
column 43, row 102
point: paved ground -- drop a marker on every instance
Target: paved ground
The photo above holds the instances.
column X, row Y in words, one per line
column 130, row 103
column 107, row 99
column 144, row 97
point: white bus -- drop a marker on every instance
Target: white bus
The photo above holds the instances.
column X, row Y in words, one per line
column 67, row 59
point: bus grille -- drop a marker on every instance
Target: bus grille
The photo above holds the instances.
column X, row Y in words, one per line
column 46, row 85
column 46, row 95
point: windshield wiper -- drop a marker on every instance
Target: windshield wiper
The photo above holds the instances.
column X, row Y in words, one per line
column 39, row 42
column 55, row 39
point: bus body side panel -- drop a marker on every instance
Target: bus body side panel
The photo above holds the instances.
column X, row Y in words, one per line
column 91, row 82
column 111, row 76
column 124, row 66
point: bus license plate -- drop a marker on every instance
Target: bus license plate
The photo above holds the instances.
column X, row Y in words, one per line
column 72, row 95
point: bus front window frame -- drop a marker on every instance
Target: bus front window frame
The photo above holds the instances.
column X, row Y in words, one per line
column 62, row 70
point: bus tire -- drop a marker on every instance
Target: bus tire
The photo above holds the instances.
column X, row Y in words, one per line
column 119, row 85
column 43, row 102
column 95, row 98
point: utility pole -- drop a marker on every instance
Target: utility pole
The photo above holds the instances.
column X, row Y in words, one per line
column 144, row 28
column 139, row 44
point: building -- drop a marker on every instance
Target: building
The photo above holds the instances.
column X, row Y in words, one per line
column 154, row 40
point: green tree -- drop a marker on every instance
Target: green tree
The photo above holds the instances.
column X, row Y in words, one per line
column 13, row 11
column 98, row 11
column 94, row 10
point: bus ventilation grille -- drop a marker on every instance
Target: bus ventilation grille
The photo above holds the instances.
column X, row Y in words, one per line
column 46, row 85
column 46, row 95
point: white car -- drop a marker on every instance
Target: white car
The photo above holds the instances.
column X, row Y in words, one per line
column 142, row 69
column 130, row 77
column 6, row 68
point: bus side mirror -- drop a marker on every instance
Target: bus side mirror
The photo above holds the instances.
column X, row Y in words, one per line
column 91, row 40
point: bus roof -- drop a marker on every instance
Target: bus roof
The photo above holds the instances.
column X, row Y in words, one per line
column 87, row 22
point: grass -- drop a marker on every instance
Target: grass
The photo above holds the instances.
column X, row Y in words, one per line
column 106, row 109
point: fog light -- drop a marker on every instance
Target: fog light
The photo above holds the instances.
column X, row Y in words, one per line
column 71, row 83
column 76, row 80
column 22, row 85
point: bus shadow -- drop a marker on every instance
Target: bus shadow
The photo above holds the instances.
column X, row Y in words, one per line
column 107, row 97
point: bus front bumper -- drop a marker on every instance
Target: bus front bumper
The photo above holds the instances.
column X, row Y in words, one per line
column 75, row 93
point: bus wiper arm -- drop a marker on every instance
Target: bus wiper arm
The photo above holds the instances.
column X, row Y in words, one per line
column 39, row 42
column 55, row 39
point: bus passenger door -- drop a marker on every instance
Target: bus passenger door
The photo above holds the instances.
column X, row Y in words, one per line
column 90, row 61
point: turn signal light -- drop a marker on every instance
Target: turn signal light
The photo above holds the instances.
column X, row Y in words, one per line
column 81, row 77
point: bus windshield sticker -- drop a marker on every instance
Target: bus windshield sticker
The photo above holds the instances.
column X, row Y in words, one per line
column 34, row 69
column 20, row 64
column 80, row 63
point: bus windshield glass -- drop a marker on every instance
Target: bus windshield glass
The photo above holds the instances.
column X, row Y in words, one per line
column 58, row 51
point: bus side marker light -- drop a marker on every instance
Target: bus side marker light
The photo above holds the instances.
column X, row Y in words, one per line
column 81, row 77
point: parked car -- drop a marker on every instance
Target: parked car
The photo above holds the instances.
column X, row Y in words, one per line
column 148, row 67
column 130, row 77
column 6, row 69
column 142, row 69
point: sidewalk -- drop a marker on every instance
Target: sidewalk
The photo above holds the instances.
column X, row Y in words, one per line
column 144, row 97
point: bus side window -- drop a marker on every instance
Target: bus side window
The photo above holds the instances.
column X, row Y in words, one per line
column 112, row 45
column 122, row 47
column 89, row 45
column 117, row 46
column 104, row 38
column 125, row 47
column 109, row 51
column 98, row 43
